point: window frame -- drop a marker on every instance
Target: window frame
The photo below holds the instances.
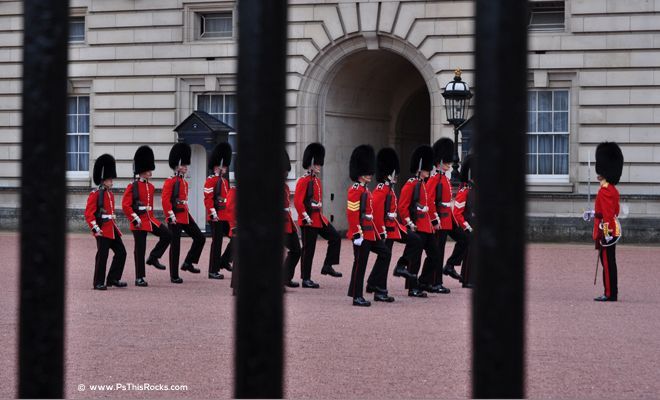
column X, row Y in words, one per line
column 546, row 7
column 84, row 22
column 234, row 153
column 551, row 178
column 202, row 24
column 193, row 14
column 80, row 174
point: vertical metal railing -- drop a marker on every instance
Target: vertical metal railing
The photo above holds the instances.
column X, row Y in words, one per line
column 498, row 306
column 261, row 118
column 43, row 200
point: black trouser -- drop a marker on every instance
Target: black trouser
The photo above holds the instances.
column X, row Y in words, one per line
column 228, row 255
column 459, row 236
column 219, row 229
column 608, row 260
column 309, row 234
column 103, row 246
column 430, row 246
column 467, row 275
column 164, row 239
column 412, row 251
column 195, row 251
column 292, row 243
column 361, row 254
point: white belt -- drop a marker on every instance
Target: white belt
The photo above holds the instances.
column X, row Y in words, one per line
column 182, row 202
column 108, row 216
column 446, row 204
column 148, row 208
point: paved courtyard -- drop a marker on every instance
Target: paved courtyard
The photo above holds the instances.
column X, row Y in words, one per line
column 413, row 348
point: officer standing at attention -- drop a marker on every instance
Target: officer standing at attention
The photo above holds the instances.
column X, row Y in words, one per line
column 361, row 228
column 308, row 203
column 138, row 206
column 216, row 191
column 100, row 216
column 175, row 207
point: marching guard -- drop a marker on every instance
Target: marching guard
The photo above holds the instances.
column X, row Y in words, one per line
column 465, row 217
column 414, row 211
column 291, row 240
column 607, row 229
column 389, row 228
column 138, row 206
column 100, row 216
column 216, row 191
column 361, row 227
column 308, row 202
column 175, row 207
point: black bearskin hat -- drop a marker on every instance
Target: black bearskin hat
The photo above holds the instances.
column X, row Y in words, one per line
column 104, row 168
column 179, row 155
column 443, row 151
column 287, row 161
column 609, row 162
column 387, row 162
column 314, row 151
column 363, row 162
column 467, row 169
column 425, row 154
column 221, row 153
column 143, row 160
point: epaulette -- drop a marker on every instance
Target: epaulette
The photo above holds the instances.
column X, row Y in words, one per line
column 355, row 185
column 380, row 186
column 412, row 180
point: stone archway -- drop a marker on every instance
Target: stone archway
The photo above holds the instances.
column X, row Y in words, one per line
column 354, row 94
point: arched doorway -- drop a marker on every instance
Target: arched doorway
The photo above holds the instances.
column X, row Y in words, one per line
column 375, row 97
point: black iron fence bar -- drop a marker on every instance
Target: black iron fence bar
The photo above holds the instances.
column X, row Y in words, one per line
column 43, row 200
column 261, row 119
column 498, row 306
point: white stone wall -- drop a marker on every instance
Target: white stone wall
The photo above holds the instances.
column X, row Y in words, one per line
column 141, row 66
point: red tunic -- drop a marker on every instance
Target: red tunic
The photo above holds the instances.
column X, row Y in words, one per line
column 360, row 213
column 310, row 204
column 146, row 208
column 181, row 213
column 459, row 207
column 423, row 221
column 289, row 225
column 386, row 220
column 439, row 191
column 230, row 213
column 107, row 224
column 606, row 222
column 216, row 189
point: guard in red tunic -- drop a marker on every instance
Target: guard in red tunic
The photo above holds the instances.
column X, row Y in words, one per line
column 216, row 191
column 291, row 240
column 138, row 206
column 308, row 202
column 607, row 229
column 414, row 211
column 100, row 216
column 465, row 217
column 361, row 228
column 175, row 207
column 388, row 226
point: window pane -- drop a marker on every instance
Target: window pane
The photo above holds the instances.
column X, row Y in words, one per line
column 545, row 165
column 83, row 105
column 230, row 104
column 77, row 29
column 545, row 101
column 545, row 144
column 545, row 122
column 561, row 100
column 531, row 101
column 230, row 120
column 561, row 121
column 561, row 144
column 531, row 164
column 84, row 162
column 71, row 124
column 216, row 105
column 83, row 124
column 532, row 140
column 561, row 164
column 71, row 144
column 72, row 105
column 203, row 103
column 217, row 25
column 531, row 122
column 71, row 162
column 83, row 144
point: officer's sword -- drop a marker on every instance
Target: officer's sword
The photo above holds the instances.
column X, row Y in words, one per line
column 596, row 273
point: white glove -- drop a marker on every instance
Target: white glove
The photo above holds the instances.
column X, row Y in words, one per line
column 467, row 227
column 368, row 217
column 412, row 226
column 136, row 221
column 588, row 215
column 358, row 241
column 172, row 218
column 608, row 237
column 317, row 205
column 307, row 219
column 391, row 215
column 214, row 215
column 97, row 231
column 422, row 209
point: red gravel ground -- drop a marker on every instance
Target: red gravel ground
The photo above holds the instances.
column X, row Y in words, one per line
column 414, row 348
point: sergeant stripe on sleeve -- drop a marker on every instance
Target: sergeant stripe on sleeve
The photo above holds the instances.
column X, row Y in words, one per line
column 353, row 205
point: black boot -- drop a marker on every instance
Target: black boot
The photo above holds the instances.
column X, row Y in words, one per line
column 308, row 283
column 116, row 283
column 328, row 270
column 450, row 271
column 416, row 293
column 401, row 271
column 141, row 282
column 191, row 268
column 380, row 296
column 154, row 261
column 291, row 284
column 361, row 302
column 216, row 275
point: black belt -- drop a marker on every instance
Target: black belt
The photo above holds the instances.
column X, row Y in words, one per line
column 390, row 229
column 368, row 228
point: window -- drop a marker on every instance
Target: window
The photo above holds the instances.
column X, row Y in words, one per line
column 546, row 16
column 547, row 133
column 222, row 107
column 77, row 29
column 215, row 25
column 77, row 143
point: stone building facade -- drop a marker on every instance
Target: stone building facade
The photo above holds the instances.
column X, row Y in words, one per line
column 357, row 72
